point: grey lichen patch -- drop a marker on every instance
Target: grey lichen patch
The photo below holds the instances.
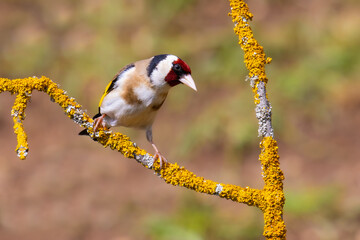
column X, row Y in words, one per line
column 146, row 160
column 263, row 112
column 77, row 115
column 218, row 189
column 22, row 151
column 252, row 80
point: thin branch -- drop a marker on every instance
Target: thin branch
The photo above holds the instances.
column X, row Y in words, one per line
column 170, row 173
column 255, row 61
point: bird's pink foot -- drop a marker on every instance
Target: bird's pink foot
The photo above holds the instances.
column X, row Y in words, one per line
column 98, row 121
column 159, row 156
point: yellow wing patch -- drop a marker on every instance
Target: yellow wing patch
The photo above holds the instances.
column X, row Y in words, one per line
column 106, row 91
column 111, row 84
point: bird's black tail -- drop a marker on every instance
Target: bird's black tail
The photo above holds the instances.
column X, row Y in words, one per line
column 84, row 132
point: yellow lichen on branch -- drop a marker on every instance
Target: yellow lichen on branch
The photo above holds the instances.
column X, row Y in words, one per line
column 170, row 173
column 270, row 199
column 18, row 114
column 254, row 53
column 255, row 61
column 273, row 190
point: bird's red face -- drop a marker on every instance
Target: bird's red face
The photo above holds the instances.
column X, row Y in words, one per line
column 180, row 73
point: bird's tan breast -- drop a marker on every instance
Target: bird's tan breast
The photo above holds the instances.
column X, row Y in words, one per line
column 143, row 112
column 128, row 91
column 137, row 79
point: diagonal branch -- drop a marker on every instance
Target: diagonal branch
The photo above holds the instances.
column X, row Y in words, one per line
column 170, row 173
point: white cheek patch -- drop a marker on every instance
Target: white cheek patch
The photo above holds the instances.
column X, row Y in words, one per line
column 161, row 70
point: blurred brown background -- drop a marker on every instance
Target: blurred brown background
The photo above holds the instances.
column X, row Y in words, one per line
column 72, row 188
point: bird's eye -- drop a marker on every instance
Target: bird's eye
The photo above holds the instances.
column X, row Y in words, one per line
column 177, row 67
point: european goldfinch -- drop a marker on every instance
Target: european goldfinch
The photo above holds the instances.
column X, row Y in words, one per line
column 136, row 93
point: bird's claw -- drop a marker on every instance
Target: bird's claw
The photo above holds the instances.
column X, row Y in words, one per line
column 98, row 121
column 161, row 158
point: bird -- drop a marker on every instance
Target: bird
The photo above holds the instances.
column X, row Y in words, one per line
column 137, row 92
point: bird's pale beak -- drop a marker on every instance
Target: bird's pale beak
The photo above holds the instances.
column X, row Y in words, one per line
column 188, row 81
